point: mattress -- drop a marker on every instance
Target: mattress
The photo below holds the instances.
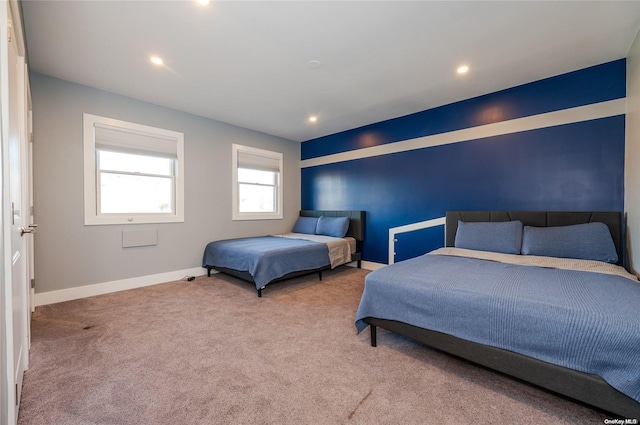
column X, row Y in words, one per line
column 583, row 319
column 267, row 258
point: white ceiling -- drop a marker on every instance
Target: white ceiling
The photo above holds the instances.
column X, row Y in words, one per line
column 246, row 62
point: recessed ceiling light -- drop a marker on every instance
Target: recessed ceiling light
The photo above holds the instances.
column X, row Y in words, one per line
column 156, row 60
column 463, row 69
column 313, row 118
column 203, row 2
column 313, row 64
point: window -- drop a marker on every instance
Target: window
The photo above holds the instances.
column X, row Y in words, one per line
column 133, row 173
column 257, row 184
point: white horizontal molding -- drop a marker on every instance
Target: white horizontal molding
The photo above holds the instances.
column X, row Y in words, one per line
column 440, row 221
column 565, row 116
column 68, row 294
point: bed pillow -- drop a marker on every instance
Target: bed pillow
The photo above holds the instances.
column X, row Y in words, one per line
column 306, row 225
column 589, row 241
column 501, row 236
column 332, row 226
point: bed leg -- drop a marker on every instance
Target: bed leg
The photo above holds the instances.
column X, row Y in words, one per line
column 260, row 292
column 374, row 339
column 320, row 275
column 208, row 271
column 359, row 264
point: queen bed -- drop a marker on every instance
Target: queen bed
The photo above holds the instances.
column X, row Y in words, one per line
column 540, row 296
column 320, row 240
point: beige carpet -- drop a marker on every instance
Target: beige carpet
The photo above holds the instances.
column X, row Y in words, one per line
column 211, row 352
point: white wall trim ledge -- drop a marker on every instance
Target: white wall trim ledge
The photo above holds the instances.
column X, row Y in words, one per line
column 593, row 111
column 68, row 294
column 440, row 221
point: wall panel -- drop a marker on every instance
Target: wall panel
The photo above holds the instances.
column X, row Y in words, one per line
column 632, row 177
column 575, row 166
column 70, row 255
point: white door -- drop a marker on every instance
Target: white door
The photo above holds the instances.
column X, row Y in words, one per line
column 19, row 215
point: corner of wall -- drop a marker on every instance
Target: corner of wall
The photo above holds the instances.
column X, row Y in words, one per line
column 632, row 158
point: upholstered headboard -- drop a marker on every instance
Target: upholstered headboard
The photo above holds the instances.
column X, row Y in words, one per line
column 613, row 220
column 356, row 222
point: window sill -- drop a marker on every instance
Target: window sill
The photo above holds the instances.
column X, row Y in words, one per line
column 132, row 219
column 256, row 216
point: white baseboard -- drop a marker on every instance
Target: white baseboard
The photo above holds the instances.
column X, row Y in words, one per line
column 367, row 265
column 69, row 294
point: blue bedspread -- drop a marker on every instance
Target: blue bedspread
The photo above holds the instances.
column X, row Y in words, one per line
column 266, row 257
column 580, row 320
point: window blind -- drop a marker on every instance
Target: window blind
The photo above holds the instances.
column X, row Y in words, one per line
column 117, row 139
column 256, row 161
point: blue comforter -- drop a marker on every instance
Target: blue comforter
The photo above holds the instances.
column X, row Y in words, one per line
column 266, row 257
column 580, row 320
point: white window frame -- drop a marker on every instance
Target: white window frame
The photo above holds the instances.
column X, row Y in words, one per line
column 91, row 191
column 236, row 214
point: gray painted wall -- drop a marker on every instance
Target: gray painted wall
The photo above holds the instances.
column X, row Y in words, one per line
column 70, row 254
column 632, row 156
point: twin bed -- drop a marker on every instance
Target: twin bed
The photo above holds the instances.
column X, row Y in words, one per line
column 319, row 241
column 568, row 325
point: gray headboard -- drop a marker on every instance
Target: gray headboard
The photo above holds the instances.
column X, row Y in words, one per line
column 356, row 222
column 539, row 219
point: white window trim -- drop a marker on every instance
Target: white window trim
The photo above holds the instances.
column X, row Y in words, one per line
column 91, row 215
column 236, row 214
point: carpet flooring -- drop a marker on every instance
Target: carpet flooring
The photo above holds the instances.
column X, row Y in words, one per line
column 211, row 352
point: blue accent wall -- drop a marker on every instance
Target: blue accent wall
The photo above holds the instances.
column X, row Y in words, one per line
column 591, row 85
column 577, row 166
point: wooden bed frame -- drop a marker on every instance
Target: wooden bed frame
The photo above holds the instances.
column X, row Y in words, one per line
column 583, row 387
column 356, row 231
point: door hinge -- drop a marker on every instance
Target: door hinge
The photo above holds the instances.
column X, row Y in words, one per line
column 9, row 30
column 33, row 284
column 17, row 394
